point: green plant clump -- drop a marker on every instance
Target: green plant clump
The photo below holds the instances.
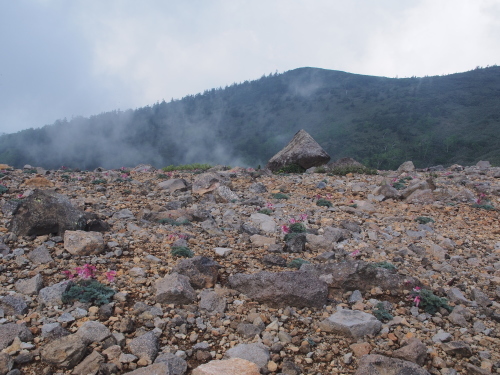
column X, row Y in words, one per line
column 187, row 167
column 321, row 169
column 384, row 264
column 162, row 176
column 323, row 203
column 3, row 189
column 265, row 211
column 342, row 171
column 291, row 168
column 174, row 222
column 280, row 196
column 88, row 291
column 182, row 251
column 486, row 206
column 99, row 181
column 424, row 220
column 297, row 228
column 2, row 175
column 381, row 313
column 430, row 302
column 30, row 171
column 297, row 263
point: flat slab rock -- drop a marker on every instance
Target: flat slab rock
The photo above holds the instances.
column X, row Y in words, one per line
column 281, row 289
column 351, row 323
column 228, row 367
column 380, row 365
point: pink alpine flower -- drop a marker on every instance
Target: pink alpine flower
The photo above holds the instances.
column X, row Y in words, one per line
column 86, row 272
column 270, row 205
column 285, row 229
column 293, row 221
column 68, row 274
column 303, row 217
column 355, row 253
column 416, row 300
column 110, row 275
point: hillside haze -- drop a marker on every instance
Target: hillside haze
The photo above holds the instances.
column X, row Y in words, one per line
column 379, row 121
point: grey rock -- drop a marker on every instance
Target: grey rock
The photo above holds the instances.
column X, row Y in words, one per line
column 356, row 296
column 223, row 194
column 380, row 365
column 249, row 229
column 387, row 191
column 6, row 363
column 90, row 365
column 274, row 260
column 406, row 167
column 83, row 243
column 40, row 255
column 145, row 346
column 45, row 212
column 257, row 187
column 52, row 295
column 483, row 164
column 319, row 242
column 29, row 286
column 296, row 243
column 14, row 304
column 124, row 214
column 474, row 370
column 264, row 222
column 176, row 365
column 302, row 150
column 248, row 330
column 92, row 331
column 201, row 271
column 9, row 331
column 415, row 351
column 459, row 316
column 256, row 353
column 456, row 295
column 160, row 368
column 53, row 331
column 351, row 323
column 441, row 337
column 174, row 288
column 207, row 182
column 298, row 289
column 481, row 298
column 172, row 185
column 65, row 352
column 459, row 348
column 290, row 368
column 335, row 234
column 212, row 302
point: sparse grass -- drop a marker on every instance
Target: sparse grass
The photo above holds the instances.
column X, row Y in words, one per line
column 321, row 169
column 99, row 181
column 484, row 206
column 30, row 171
column 381, row 313
column 291, row 168
column 384, row 264
column 162, row 176
column 3, row 189
column 265, row 211
column 187, row 167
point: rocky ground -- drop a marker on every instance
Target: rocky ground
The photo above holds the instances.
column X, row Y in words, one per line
column 239, row 300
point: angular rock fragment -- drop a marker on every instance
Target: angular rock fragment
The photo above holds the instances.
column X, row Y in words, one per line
column 176, row 365
column 351, row 323
column 201, row 271
column 172, row 185
column 92, row 331
column 302, row 150
column 83, row 243
column 212, row 302
column 9, row 331
column 90, row 364
column 145, row 346
column 29, row 286
column 40, row 255
column 174, row 288
column 14, row 304
column 280, row 289
column 65, row 352
column 227, row 367
column 415, row 351
column 256, row 353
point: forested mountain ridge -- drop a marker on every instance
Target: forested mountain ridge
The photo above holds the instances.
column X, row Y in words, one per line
column 379, row 121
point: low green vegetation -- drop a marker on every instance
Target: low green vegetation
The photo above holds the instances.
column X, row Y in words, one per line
column 323, row 203
column 381, row 313
column 187, row 167
column 291, row 168
column 3, row 189
column 88, row 291
column 99, row 181
column 384, row 264
column 181, row 252
column 424, row 220
column 265, row 211
column 484, row 206
column 280, row 196
column 174, row 222
column 429, row 302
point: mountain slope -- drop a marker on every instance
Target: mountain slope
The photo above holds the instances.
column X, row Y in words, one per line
column 378, row 121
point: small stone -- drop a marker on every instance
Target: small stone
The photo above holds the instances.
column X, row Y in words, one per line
column 228, row 367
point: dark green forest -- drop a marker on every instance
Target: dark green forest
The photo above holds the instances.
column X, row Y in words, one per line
column 378, row 121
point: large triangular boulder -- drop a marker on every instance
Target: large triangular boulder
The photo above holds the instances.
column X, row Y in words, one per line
column 302, row 150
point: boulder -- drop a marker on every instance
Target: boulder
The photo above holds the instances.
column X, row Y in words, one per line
column 65, row 352
column 351, row 323
column 145, row 346
column 40, row 255
column 176, row 365
column 92, row 331
column 201, row 271
column 281, row 289
column 256, row 353
column 207, row 182
column 264, row 222
column 212, row 302
column 90, row 365
column 406, row 167
column 14, row 304
column 29, row 286
column 223, row 194
column 415, row 351
column 9, row 331
column 52, row 295
column 174, row 288
column 302, row 150
column 45, row 212
column 374, row 364
column 83, row 243
column 175, row 184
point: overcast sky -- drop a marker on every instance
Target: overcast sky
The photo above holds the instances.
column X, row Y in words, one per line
column 64, row 58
